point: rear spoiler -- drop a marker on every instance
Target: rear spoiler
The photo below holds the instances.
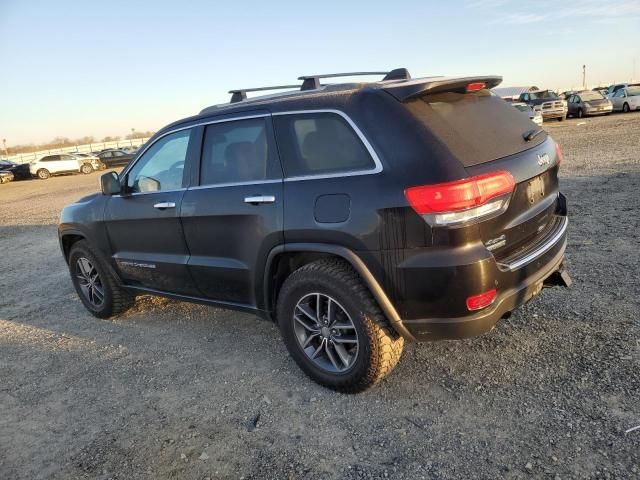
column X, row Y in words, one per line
column 404, row 91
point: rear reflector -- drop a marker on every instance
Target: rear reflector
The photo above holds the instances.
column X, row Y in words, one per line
column 474, row 87
column 462, row 200
column 476, row 302
column 559, row 155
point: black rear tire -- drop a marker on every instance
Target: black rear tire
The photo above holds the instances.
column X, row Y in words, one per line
column 379, row 346
column 114, row 300
column 625, row 108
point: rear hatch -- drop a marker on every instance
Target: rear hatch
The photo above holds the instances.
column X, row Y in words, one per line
column 486, row 134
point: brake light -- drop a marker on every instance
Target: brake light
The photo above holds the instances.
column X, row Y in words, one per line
column 476, row 302
column 474, row 87
column 559, row 155
column 462, row 200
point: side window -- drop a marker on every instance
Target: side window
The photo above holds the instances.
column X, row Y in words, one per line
column 238, row 151
column 117, row 154
column 162, row 165
column 319, row 143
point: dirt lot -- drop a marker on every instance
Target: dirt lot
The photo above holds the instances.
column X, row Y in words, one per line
column 173, row 390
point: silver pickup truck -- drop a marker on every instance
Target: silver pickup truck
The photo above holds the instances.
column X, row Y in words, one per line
column 547, row 103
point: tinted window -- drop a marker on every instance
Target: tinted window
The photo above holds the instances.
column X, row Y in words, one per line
column 162, row 165
column 117, row 154
column 319, row 143
column 237, row 151
column 476, row 127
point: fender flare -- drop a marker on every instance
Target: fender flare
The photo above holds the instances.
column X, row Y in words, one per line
column 359, row 266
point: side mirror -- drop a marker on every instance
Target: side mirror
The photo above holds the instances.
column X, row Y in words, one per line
column 110, row 183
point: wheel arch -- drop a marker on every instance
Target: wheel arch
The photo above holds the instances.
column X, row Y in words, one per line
column 284, row 259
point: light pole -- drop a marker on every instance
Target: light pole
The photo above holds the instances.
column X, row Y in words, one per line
column 4, row 146
column 584, row 77
column 133, row 132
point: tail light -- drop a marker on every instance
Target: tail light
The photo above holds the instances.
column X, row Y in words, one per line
column 476, row 302
column 559, row 155
column 462, row 201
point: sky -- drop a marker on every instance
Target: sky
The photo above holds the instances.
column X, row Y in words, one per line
column 76, row 68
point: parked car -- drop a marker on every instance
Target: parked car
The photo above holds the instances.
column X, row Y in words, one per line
column 534, row 115
column 613, row 89
column 59, row 164
column 588, row 102
column 390, row 211
column 114, row 158
column 95, row 161
column 626, row 99
column 6, row 177
column 549, row 104
column 20, row 171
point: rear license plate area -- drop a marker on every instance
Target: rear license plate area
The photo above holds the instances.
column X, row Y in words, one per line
column 535, row 190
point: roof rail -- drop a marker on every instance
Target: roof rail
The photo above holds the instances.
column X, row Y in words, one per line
column 240, row 94
column 312, row 82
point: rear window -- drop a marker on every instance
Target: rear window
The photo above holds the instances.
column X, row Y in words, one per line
column 475, row 127
column 319, row 144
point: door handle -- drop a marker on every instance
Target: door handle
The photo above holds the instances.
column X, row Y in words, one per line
column 163, row 205
column 260, row 199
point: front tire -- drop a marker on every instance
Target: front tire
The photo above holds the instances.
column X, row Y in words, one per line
column 43, row 174
column 97, row 288
column 580, row 113
column 334, row 329
column 625, row 108
column 86, row 168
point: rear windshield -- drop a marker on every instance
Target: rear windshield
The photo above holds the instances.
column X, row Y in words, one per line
column 587, row 96
column 476, row 127
column 543, row 95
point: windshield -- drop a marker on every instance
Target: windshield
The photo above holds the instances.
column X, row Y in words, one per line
column 587, row 96
column 546, row 94
column 633, row 91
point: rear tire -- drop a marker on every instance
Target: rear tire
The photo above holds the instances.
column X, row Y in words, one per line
column 43, row 174
column 86, row 168
column 361, row 349
column 580, row 113
column 625, row 108
column 97, row 288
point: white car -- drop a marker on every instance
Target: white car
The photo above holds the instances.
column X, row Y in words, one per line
column 626, row 99
column 55, row 164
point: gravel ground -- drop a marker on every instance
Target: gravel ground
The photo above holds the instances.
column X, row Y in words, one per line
column 174, row 390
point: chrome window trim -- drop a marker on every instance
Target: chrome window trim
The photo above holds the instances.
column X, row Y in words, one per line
column 134, row 194
column 374, row 156
column 235, row 184
column 348, row 173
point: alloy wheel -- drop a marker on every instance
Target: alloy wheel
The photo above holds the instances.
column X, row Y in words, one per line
column 325, row 333
column 90, row 282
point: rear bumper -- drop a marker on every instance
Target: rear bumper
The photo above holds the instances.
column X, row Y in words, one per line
column 516, row 279
column 483, row 321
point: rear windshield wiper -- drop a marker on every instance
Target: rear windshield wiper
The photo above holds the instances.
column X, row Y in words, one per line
column 531, row 134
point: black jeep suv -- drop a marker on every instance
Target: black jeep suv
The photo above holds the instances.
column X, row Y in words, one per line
column 357, row 216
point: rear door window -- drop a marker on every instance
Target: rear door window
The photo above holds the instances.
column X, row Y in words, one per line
column 319, row 144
